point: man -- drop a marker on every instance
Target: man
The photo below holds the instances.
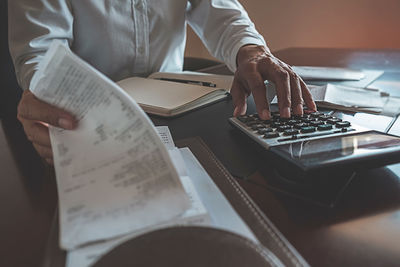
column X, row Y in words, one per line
column 123, row 38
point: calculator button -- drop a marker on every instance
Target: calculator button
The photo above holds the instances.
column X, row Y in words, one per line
column 301, row 116
column 251, row 118
column 307, row 119
column 342, row 124
column 266, row 122
column 251, row 123
column 290, row 132
column 333, row 120
column 277, row 124
column 243, row 118
column 316, row 114
column 254, row 116
column 324, row 127
column 283, row 128
column 284, row 119
column 291, row 122
column 316, row 123
column 257, row 126
column 308, row 129
column 300, row 125
column 264, row 130
column 324, row 117
column 271, row 135
column 275, row 116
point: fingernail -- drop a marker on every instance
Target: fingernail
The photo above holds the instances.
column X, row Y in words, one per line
column 314, row 107
column 64, row 123
column 265, row 114
column 239, row 111
column 285, row 112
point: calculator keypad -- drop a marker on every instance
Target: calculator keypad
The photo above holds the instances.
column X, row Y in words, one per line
column 278, row 127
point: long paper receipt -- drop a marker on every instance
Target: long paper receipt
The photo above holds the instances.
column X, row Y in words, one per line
column 114, row 175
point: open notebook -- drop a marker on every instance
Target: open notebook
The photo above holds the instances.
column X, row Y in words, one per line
column 171, row 94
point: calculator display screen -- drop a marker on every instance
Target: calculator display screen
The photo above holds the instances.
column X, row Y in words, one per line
column 339, row 148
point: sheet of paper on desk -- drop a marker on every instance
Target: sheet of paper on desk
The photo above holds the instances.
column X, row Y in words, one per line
column 346, row 98
column 328, row 73
column 369, row 77
column 114, row 175
column 350, row 96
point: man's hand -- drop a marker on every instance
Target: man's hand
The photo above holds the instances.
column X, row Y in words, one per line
column 255, row 65
column 35, row 116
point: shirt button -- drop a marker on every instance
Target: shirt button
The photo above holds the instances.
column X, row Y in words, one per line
column 141, row 50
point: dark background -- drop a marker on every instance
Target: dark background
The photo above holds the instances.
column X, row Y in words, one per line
column 9, row 91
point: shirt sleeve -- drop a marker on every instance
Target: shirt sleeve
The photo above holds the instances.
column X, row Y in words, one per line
column 33, row 24
column 224, row 27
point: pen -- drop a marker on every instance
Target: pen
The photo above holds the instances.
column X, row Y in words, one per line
column 208, row 84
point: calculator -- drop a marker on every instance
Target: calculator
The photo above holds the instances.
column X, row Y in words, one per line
column 319, row 141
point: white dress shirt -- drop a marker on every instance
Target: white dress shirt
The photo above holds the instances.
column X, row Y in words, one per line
column 123, row 38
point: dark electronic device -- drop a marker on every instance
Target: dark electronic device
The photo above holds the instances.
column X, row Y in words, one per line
column 318, row 142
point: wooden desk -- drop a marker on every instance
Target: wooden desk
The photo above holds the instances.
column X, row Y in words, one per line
column 362, row 229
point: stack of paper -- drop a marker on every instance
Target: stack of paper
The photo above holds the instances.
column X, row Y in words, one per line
column 208, row 207
column 114, row 175
column 328, row 73
column 338, row 76
column 348, row 98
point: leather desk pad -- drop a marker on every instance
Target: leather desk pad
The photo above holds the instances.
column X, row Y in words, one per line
column 188, row 246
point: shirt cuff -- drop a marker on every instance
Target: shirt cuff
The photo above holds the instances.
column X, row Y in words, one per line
column 231, row 59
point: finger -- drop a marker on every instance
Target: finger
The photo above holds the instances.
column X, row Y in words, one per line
column 307, row 97
column 296, row 94
column 44, row 152
column 239, row 96
column 257, row 86
column 31, row 108
column 274, row 70
column 282, row 82
column 37, row 133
